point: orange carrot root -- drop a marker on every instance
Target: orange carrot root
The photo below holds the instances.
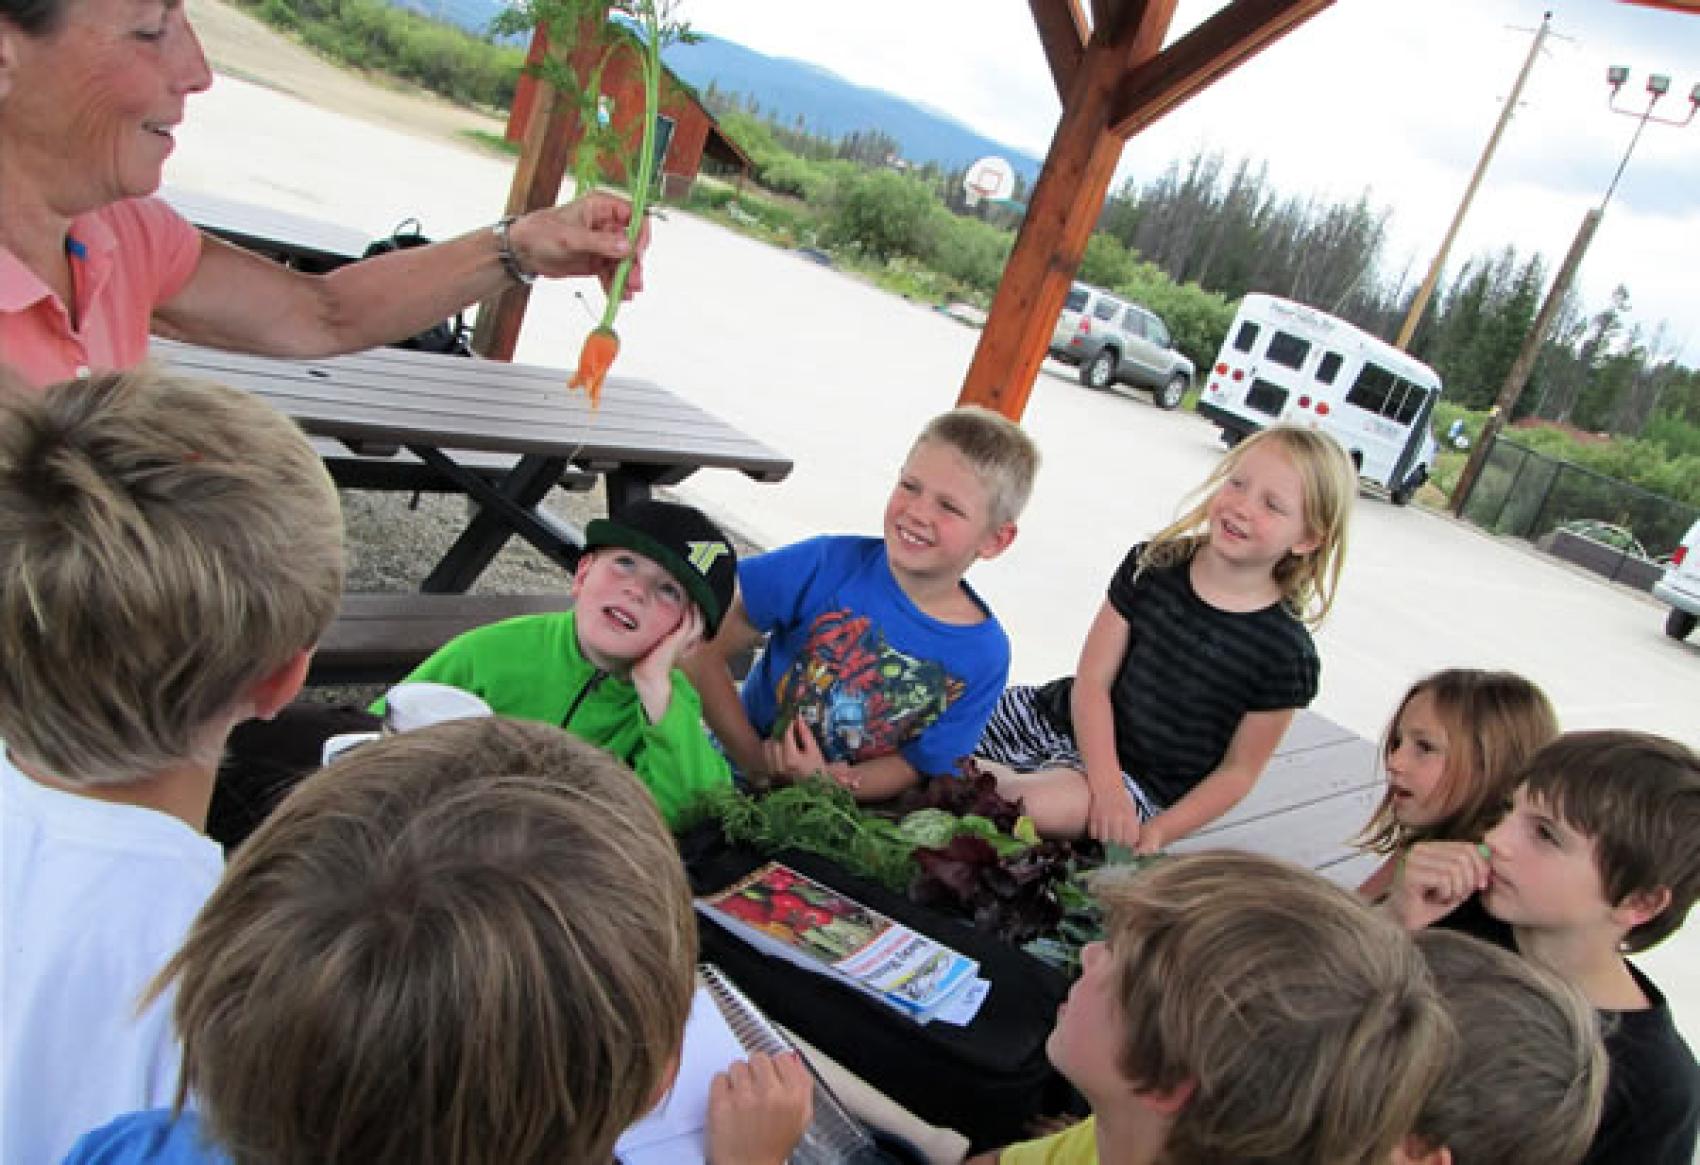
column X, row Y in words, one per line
column 594, row 360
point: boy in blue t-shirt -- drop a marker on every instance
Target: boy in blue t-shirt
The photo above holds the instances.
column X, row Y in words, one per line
column 881, row 664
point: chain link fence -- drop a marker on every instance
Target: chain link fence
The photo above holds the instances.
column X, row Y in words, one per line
column 1529, row 495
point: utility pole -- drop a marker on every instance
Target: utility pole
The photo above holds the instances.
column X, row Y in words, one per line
column 1657, row 86
column 1409, row 327
column 1525, row 362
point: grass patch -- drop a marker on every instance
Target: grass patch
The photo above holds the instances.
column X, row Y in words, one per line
column 371, row 35
column 494, row 142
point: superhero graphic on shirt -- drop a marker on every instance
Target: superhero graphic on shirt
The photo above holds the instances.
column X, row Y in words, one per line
column 863, row 698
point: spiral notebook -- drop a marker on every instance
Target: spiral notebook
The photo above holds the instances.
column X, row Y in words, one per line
column 725, row 1026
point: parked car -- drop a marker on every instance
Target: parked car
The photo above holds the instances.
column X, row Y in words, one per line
column 1681, row 586
column 1113, row 341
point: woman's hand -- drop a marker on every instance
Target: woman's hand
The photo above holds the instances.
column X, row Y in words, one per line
column 587, row 236
column 239, row 301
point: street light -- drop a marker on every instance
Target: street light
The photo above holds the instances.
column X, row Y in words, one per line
column 1658, row 84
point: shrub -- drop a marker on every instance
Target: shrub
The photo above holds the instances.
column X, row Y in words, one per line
column 1107, row 262
column 883, row 214
column 789, row 174
column 971, row 252
column 709, row 197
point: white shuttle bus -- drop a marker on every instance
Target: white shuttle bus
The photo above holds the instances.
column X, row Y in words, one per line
column 1285, row 362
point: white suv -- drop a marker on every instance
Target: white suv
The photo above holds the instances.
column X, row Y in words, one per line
column 1681, row 586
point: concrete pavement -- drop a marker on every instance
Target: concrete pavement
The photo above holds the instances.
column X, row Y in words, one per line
column 840, row 376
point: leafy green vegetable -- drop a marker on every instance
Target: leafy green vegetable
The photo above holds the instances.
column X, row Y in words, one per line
column 1005, row 845
column 929, row 827
column 820, row 817
column 1026, row 890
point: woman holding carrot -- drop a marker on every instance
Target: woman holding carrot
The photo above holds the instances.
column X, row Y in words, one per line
column 91, row 92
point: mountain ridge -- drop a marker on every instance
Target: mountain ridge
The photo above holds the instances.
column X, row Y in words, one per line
column 832, row 105
column 786, row 88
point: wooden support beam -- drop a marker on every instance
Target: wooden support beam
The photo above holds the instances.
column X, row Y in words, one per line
column 551, row 126
column 525, row 89
column 536, row 183
column 1203, row 56
column 1062, row 34
column 1120, row 85
column 1061, row 214
column 1107, row 17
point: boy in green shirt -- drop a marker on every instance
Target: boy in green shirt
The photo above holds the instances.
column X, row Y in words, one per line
column 650, row 586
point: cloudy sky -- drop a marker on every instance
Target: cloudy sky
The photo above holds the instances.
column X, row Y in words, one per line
column 1393, row 99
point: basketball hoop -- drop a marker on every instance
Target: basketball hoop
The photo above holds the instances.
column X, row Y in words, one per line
column 990, row 178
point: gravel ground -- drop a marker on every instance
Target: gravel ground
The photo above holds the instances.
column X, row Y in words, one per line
column 393, row 540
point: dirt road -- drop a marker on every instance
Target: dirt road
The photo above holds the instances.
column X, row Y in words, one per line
column 239, row 45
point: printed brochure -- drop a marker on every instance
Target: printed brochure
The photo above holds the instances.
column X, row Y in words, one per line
column 783, row 913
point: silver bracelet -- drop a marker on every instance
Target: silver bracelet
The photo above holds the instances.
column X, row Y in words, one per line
column 505, row 252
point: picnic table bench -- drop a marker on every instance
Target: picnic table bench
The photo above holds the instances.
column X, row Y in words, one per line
column 380, row 638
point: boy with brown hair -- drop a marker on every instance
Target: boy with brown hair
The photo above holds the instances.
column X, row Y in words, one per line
column 1242, row 1010
column 420, row 957
column 1528, row 1078
column 170, row 551
column 882, row 663
column 1598, row 855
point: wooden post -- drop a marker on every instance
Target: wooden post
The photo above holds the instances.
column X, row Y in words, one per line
column 1061, row 214
column 525, row 89
column 551, row 127
column 1117, row 87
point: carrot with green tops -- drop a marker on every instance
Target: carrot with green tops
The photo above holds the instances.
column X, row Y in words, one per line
column 602, row 345
column 594, row 360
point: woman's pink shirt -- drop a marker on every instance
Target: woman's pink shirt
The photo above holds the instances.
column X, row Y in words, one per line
column 126, row 260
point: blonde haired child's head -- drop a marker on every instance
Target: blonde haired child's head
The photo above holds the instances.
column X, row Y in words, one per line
column 1486, row 725
column 471, row 942
column 999, row 451
column 956, row 499
column 1309, row 573
column 1528, row 1079
column 1264, row 1013
column 165, row 545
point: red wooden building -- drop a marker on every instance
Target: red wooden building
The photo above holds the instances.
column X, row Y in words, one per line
column 686, row 133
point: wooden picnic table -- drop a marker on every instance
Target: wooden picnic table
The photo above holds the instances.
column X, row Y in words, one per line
column 308, row 244
column 1315, row 796
column 1320, row 788
column 445, row 408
